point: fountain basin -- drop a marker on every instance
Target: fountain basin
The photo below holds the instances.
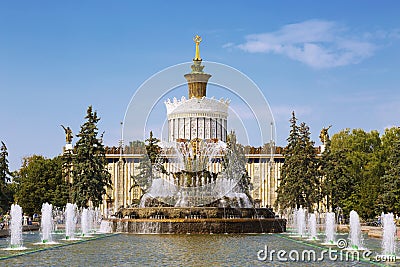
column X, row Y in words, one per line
column 198, row 226
column 194, row 212
column 197, row 220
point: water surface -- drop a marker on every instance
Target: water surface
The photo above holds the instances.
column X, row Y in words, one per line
column 169, row 250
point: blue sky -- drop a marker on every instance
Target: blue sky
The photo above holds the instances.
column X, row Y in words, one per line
column 334, row 63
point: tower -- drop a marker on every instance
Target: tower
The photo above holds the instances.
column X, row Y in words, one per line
column 197, row 117
column 197, row 79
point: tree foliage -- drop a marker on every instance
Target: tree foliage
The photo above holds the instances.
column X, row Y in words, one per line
column 336, row 183
column 299, row 184
column 152, row 148
column 145, row 168
column 145, row 174
column 40, row 180
column 4, row 170
column 90, row 175
column 389, row 199
column 352, row 167
column 6, row 194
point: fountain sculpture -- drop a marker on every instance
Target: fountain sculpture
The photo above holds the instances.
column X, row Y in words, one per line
column 186, row 185
column 182, row 176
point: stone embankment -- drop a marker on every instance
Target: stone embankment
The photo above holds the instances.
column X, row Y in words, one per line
column 372, row 231
column 26, row 228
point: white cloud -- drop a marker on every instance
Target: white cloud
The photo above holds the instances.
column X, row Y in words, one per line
column 394, row 34
column 383, row 34
column 228, row 45
column 317, row 43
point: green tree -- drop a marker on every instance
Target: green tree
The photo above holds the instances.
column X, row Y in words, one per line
column 145, row 174
column 288, row 182
column 299, row 183
column 5, row 174
column 354, row 171
column 152, row 149
column 90, row 175
column 389, row 199
column 145, row 168
column 58, row 186
column 336, row 182
column 4, row 170
column 40, row 180
column 309, row 168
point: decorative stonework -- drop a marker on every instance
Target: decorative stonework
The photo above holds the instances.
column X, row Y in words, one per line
column 204, row 118
column 206, row 106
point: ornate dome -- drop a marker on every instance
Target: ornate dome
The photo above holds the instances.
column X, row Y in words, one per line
column 204, row 107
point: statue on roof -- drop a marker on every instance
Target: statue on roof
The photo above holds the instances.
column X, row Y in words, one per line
column 68, row 134
column 324, row 136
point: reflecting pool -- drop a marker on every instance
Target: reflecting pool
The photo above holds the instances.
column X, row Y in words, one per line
column 172, row 250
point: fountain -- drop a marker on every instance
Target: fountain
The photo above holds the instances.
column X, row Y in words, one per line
column 389, row 235
column 198, row 183
column 330, row 228
column 16, row 227
column 88, row 221
column 188, row 194
column 70, row 221
column 183, row 176
column 105, row 227
column 85, row 221
column 91, row 220
column 47, row 223
column 294, row 220
column 301, row 222
column 96, row 219
column 312, row 227
column 355, row 231
column 58, row 216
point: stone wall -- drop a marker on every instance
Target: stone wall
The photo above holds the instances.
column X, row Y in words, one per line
column 198, row 226
column 195, row 212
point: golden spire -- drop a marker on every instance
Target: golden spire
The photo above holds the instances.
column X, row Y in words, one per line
column 197, row 39
column 197, row 79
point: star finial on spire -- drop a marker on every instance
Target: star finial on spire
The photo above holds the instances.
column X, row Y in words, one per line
column 197, row 39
